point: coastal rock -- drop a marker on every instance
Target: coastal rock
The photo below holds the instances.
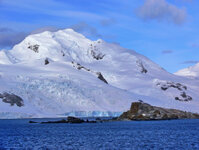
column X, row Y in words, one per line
column 69, row 120
column 32, row 121
column 74, row 120
column 144, row 111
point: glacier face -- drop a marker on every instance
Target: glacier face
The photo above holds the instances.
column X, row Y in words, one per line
column 63, row 73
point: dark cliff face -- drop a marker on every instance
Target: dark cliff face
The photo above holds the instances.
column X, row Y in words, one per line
column 144, row 111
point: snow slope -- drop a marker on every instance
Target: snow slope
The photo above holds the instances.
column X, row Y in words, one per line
column 63, row 73
column 191, row 72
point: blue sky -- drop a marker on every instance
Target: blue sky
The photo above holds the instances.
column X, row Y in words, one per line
column 166, row 31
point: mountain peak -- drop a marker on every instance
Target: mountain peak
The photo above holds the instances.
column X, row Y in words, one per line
column 54, row 45
column 63, row 72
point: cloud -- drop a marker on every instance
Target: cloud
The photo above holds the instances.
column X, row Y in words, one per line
column 190, row 62
column 116, row 43
column 86, row 30
column 167, row 52
column 107, row 22
column 43, row 29
column 9, row 37
column 2, row 30
column 160, row 10
column 194, row 44
column 184, row 1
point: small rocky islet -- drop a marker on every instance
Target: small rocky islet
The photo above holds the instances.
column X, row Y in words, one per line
column 139, row 111
column 71, row 120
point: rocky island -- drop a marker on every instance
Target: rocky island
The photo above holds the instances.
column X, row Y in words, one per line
column 144, row 111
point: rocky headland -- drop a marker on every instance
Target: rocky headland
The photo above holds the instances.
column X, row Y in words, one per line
column 144, row 111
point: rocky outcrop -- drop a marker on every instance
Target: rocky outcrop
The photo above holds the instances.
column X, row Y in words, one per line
column 79, row 67
column 46, row 62
column 178, row 86
column 12, row 99
column 32, row 122
column 34, row 48
column 141, row 66
column 97, row 56
column 144, row 111
column 99, row 74
column 95, row 53
column 74, row 120
column 69, row 119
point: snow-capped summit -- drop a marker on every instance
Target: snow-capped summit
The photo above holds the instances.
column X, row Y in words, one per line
column 192, row 72
column 63, row 73
column 52, row 45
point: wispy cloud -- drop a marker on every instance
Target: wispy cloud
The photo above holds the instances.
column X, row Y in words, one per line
column 107, row 22
column 167, row 52
column 194, row 44
column 161, row 10
column 184, row 1
column 86, row 29
column 9, row 37
column 76, row 14
column 43, row 29
column 51, row 8
column 190, row 62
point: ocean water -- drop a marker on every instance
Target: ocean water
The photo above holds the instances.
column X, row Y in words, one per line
column 173, row 134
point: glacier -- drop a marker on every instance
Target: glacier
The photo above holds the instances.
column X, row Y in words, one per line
column 63, row 73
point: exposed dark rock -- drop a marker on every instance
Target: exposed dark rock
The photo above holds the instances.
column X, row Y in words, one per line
column 177, row 98
column 35, row 48
column 69, row 120
column 97, row 56
column 87, row 121
column 32, row 122
column 74, row 120
column 143, row 69
column 46, row 61
column 164, row 88
column 95, row 53
column 184, row 95
column 167, row 85
column 63, row 54
column 182, row 88
column 79, row 67
column 59, row 121
column 144, row 111
column 100, row 76
column 12, row 99
column 98, row 119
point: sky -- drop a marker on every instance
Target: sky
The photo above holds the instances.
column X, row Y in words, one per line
column 165, row 31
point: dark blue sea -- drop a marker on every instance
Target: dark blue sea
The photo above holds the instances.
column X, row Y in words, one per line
column 135, row 135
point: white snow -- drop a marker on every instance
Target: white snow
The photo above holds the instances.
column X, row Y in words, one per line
column 191, row 72
column 63, row 88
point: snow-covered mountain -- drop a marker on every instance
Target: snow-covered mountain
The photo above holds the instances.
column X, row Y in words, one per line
column 191, row 72
column 54, row 74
